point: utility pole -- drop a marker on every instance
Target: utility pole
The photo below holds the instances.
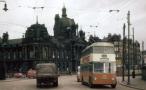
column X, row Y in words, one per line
column 94, row 30
column 123, row 62
column 128, row 21
column 142, row 59
column 133, row 72
column 142, row 54
column 35, row 8
column 3, row 69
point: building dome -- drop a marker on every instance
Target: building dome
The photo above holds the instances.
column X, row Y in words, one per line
column 36, row 32
column 67, row 22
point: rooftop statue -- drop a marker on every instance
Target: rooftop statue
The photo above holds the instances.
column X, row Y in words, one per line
column 5, row 37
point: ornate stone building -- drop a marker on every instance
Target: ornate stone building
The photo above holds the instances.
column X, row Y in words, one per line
column 37, row 46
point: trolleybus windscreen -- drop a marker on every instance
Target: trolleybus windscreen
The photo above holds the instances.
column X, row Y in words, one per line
column 104, row 67
column 98, row 67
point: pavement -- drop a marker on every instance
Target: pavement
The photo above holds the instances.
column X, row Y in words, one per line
column 136, row 83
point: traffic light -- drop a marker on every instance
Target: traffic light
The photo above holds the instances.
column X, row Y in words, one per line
column 5, row 7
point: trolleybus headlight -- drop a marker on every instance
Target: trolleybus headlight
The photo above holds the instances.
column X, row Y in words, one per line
column 113, row 79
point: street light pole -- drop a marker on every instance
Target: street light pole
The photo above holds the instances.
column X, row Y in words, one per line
column 128, row 21
column 94, row 30
column 133, row 72
column 114, row 10
column 3, row 63
column 5, row 6
column 35, row 8
column 142, row 54
column 123, row 71
column 142, row 60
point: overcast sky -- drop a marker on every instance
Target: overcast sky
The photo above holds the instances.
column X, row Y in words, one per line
column 85, row 12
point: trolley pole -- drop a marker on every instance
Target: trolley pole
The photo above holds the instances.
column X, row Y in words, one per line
column 123, row 62
column 128, row 21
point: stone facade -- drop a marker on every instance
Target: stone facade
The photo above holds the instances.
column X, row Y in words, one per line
column 144, row 65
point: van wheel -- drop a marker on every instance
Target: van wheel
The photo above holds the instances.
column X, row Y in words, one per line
column 77, row 80
column 113, row 85
column 56, row 84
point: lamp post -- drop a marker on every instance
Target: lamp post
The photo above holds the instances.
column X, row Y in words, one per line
column 133, row 72
column 128, row 22
column 3, row 63
column 5, row 6
column 123, row 62
column 35, row 8
column 94, row 30
column 142, row 54
column 116, row 10
column 118, row 41
column 142, row 59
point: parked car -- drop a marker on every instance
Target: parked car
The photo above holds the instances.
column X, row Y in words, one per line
column 46, row 74
column 78, row 74
column 19, row 75
column 31, row 73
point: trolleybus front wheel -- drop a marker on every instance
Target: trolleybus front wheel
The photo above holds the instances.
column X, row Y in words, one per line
column 90, row 82
column 82, row 81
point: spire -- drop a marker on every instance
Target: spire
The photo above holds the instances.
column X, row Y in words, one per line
column 36, row 19
column 64, row 12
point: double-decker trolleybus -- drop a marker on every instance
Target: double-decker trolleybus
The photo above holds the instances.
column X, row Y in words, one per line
column 98, row 65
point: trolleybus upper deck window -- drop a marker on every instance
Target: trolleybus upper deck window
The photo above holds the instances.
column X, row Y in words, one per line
column 101, row 49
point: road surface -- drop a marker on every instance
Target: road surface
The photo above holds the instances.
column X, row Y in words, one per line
column 65, row 83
